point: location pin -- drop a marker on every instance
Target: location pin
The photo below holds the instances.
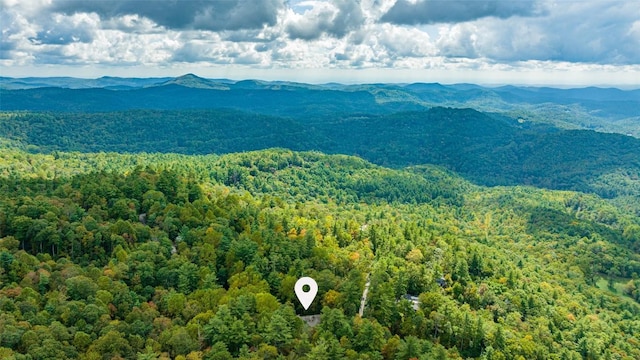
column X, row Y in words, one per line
column 306, row 298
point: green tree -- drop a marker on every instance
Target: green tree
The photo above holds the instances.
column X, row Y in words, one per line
column 227, row 329
column 181, row 343
column 370, row 336
column 81, row 287
column 334, row 323
column 409, row 348
column 110, row 345
column 278, row 333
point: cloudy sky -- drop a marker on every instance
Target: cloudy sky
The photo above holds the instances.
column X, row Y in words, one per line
column 555, row 42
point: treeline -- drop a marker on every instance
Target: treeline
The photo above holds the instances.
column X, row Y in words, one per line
column 170, row 256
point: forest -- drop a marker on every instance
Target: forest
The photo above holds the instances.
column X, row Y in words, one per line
column 151, row 255
column 486, row 148
column 170, row 218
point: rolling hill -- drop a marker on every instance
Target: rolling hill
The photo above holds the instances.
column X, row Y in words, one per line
column 600, row 109
column 488, row 149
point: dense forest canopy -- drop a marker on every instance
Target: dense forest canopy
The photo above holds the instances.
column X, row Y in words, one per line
column 488, row 149
column 130, row 230
column 165, row 255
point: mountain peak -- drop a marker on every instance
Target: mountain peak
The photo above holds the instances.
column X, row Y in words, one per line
column 190, row 76
column 195, row 81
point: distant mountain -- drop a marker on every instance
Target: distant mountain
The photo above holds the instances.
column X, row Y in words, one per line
column 106, row 82
column 600, row 109
column 193, row 81
column 193, row 93
column 515, row 138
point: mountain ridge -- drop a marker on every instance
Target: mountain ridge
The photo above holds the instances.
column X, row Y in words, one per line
column 488, row 149
column 600, row 109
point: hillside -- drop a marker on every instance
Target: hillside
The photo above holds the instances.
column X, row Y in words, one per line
column 188, row 132
column 166, row 255
column 488, row 149
column 197, row 93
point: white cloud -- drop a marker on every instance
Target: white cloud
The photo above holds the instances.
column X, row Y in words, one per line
column 323, row 35
column 219, row 52
column 580, row 32
column 334, row 18
column 405, row 41
column 17, row 29
column 62, row 30
column 135, row 24
column 458, row 40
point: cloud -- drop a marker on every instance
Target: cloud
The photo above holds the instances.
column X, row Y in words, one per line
column 402, row 42
column 183, row 14
column 408, row 12
column 7, row 42
column 349, row 17
column 458, row 41
column 320, row 34
column 336, row 18
column 62, row 30
column 197, row 51
column 218, row 52
column 579, row 32
column 341, row 56
column 6, row 49
column 16, row 31
column 132, row 24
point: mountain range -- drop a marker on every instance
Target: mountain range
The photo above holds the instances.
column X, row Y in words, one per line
column 600, row 109
column 493, row 136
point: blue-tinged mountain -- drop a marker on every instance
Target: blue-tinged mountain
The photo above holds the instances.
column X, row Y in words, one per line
column 196, row 82
column 192, row 92
column 593, row 108
column 106, row 82
column 520, row 136
column 600, row 109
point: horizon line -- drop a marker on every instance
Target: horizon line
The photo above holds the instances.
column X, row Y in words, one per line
column 622, row 87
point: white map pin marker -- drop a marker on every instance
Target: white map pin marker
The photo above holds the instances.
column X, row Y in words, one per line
column 306, row 298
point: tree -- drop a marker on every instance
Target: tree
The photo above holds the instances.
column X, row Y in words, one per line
column 278, row 332
column 181, row 343
column 410, row 348
column 167, row 184
column 110, row 345
column 225, row 328
column 175, row 303
column 499, row 341
column 326, row 349
column 81, row 287
column 334, row 323
column 369, row 336
column 218, row 352
column 188, row 277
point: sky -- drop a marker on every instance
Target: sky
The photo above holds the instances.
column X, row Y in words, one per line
column 521, row 42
